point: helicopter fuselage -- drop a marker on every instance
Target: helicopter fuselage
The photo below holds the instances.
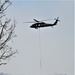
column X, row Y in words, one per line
column 40, row 25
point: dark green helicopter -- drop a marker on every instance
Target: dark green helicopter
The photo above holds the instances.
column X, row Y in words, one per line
column 40, row 24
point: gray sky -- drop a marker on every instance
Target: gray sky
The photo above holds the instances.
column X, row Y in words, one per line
column 56, row 43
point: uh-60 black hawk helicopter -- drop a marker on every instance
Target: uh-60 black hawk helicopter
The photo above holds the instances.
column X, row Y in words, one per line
column 40, row 24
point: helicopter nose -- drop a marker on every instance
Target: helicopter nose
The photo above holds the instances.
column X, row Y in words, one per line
column 31, row 26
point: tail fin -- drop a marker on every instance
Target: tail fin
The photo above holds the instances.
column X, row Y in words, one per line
column 56, row 20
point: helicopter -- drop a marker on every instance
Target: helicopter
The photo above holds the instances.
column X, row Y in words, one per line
column 40, row 24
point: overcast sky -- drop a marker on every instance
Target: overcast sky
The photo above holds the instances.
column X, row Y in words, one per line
column 57, row 43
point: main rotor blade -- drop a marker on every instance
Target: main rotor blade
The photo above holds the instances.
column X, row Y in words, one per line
column 37, row 21
column 29, row 22
column 46, row 19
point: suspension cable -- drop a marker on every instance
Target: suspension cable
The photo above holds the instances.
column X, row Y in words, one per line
column 40, row 52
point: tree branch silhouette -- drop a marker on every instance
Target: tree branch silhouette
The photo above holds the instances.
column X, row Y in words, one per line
column 6, row 34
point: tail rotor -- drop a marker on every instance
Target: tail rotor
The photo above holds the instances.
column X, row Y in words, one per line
column 57, row 19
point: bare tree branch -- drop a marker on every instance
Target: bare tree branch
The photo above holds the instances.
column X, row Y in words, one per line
column 3, row 63
column 1, row 6
column 6, row 34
